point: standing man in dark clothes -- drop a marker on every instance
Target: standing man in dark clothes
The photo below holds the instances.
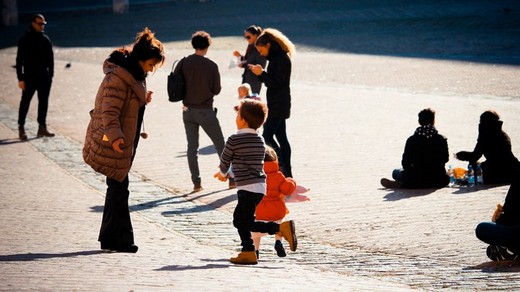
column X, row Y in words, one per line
column 34, row 70
column 202, row 79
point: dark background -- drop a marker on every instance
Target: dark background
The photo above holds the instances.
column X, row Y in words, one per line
column 480, row 31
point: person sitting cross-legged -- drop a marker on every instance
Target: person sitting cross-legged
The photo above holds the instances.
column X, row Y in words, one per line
column 424, row 158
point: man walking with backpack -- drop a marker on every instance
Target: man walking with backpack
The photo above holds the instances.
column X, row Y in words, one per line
column 202, row 79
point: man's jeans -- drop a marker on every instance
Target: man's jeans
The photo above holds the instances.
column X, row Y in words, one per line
column 206, row 118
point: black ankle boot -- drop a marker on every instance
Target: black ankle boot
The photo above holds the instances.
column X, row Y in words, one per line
column 42, row 132
column 21, row 133
column 130, row 248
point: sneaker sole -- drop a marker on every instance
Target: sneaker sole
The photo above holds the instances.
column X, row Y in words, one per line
column 293, row 232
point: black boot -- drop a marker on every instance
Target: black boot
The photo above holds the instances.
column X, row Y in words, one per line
column 21, row 133
column 42, row 132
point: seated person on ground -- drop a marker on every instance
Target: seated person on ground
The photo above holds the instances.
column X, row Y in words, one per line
column 503, row 232
column 424, row 158
column 495, row 145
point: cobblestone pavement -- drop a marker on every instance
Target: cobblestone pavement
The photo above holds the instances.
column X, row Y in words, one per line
column 352, row 111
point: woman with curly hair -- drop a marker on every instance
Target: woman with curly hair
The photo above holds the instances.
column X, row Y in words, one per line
column 278, row 50
column 113, row 132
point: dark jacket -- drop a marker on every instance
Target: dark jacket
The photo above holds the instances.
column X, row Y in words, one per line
column 252, row 57
column 501, row 164
column 118, row 111
column 511, row 210
column 277, row 79
column 424, row 160
column 34, row 58
column 202, row 80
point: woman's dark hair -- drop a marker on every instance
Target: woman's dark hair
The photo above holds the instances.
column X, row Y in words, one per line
column 490, row 123
column 489, row 118
column 254, row 30
column 427, row 117
column 200, row 40
column 147, row 47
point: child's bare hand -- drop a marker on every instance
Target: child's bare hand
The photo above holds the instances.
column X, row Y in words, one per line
column 220, row 177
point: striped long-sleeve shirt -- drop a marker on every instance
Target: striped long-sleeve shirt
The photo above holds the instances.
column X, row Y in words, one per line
column 245, row 152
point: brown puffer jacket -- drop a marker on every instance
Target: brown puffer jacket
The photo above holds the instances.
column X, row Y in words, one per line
column 115, row 116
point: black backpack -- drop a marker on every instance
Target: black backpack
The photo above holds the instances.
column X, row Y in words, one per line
column 176, row 84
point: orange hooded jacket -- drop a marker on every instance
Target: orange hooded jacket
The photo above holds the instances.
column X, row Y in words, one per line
column 272, row 207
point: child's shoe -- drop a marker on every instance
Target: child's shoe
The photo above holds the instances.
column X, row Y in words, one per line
column 280, row 251
column 245, row 258
column 257, row 254
column 288, row 232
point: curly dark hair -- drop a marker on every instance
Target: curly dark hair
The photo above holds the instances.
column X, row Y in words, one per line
column 200, row 40
column 147, row 47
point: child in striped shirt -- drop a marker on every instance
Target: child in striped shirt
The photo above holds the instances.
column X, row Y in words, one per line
column 244, row 152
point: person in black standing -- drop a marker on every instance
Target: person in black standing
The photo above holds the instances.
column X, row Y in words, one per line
column 253, row 57
column 34, row 70
column 278, row 50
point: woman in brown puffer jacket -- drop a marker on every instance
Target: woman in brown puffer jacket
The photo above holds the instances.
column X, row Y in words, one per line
column 113, row 132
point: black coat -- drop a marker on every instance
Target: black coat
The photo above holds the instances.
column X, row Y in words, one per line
column 501, row 164
column 511, row 210
column 277, row 79
column 252, row 57
column 424, row 162
column 34, row 59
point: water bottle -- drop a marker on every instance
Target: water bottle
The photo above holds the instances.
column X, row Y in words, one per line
column 470, row 176
column 452, row 177
column 478, row 174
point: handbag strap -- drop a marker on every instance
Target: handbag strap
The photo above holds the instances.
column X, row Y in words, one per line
column 178, row 61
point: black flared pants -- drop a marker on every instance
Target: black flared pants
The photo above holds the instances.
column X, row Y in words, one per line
column 116, row 227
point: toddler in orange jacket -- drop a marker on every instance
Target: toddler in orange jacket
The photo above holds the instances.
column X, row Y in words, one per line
column 272, row 207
